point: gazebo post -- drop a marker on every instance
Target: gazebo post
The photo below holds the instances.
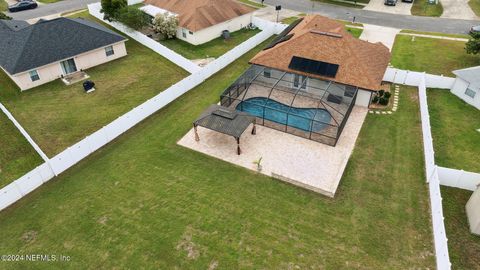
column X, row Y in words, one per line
column 197, row 138
column 238, row 146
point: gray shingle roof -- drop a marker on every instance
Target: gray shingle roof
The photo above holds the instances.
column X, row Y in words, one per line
column 24, row 47
column 471, row 75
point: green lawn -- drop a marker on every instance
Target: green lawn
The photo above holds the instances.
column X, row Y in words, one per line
column 145, row 202
column 435, row 34
column 213, row 48
column 17, row 157
column 423, row 8
column 436, row 56
column 454, row 125
column 463, row 246
column 475, row 6
column 57, row 116
column 252, row 3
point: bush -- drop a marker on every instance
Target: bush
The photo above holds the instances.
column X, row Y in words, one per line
column 381, row 92
column 4, row 17
column 383, row 101
column 133, row 17
column 387, row 95
column 112, row 8
column 375, row 99
column 166, row 25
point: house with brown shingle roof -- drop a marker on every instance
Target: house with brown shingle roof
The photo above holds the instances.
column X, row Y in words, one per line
column 308, row 79
column 203, row 20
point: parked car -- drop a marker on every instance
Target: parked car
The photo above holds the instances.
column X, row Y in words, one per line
column 475, row 29
column 390, row 2
column 407, row 1
column 23, row 5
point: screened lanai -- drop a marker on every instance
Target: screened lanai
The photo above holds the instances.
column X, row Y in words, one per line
column 304, row 106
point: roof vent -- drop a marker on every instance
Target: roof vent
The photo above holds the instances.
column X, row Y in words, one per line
column 326, row 33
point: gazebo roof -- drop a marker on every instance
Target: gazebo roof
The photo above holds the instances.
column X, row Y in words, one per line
column 225, row 120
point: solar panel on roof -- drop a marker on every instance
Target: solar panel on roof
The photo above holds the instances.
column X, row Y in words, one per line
column 283, row 35
column 313, row 66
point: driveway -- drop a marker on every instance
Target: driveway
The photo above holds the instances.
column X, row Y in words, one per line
column 400, row 8
column 457, row 9
column 375, row 33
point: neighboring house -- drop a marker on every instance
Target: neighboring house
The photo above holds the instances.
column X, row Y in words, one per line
column 47, row 50
column 202, row 20
column 467, row 85
column 308, row 79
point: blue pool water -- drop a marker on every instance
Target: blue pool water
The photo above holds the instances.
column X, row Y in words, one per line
column 301, row 118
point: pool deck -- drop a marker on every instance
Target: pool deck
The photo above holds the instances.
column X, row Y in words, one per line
column 298, row 161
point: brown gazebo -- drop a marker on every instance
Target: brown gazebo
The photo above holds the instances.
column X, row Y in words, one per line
column 226, row 121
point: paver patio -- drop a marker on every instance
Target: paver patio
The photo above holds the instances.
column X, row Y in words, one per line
column 290, row 158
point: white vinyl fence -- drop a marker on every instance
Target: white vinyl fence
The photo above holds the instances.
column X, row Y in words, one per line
column 24, row 132
column 459, row 178
column 94, row 10
column 78, row 151
column 414, row 78
column 439, row 235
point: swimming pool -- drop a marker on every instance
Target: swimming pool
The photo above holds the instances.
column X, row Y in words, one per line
column 301, row 118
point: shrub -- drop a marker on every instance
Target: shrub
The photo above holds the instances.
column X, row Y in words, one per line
column 375, row 99
column 112, row 8
column 383, row 101
column 381, row 92
column 387, row 95
column 165, row 24
column 4, row 17
column 133, row 17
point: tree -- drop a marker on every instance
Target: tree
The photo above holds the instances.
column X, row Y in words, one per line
column 165, row 24
column 4, row 17
column 112, row 8
column 473, row 44
column 133, row 17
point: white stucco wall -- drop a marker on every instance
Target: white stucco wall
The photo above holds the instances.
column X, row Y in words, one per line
column 54, row 71
column 363, row 98
column 459, row 88
column 215, row 31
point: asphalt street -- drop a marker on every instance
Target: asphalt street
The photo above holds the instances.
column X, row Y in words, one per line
column 431, row 24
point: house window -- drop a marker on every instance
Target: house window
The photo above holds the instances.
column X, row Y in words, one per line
column 184, row 33
column 34, row 75
column 471, row 93
column 109, row 51
column 267, row 73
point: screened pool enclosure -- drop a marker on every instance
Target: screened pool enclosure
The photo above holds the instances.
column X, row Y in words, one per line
column 304, row 106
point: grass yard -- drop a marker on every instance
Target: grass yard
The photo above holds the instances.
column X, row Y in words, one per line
column 145, row 202
column 454, row 125
column 17, row 156
column 423, row 8
column 475, row 6
column 463, row 246
column 252, row 3
column 435, row 34
column 213, row 48
column 436, row 56
column 57, row 116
